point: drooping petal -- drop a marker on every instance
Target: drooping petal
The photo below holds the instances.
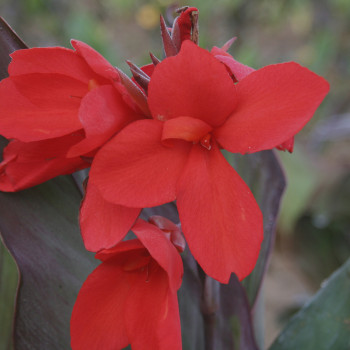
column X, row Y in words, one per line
column 162, row 250
column 220, row 218
column 29, row 164
column 104, row 224
column 95, row 60
column 97, row 320
column 40, row 113
column 275, row 102
column 192, row 84
column 185, row 128
column 136, row 170
column 149, row 313
column 50, row 60
column 126, row 301
column 102, row 113
column 169, row 326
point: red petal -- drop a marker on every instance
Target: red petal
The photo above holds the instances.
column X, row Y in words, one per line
column 47, row 111
column 97, row 320
column 148, row 69
column 239, row 70
column 169, row 328
column 104, row 224
column 29, row 164
column 134, row 245
column 191, row 84
column 151, row 312
column 134, row 169
column 116, row 307
column 220, row 218
column 274, row 103
column 162, row 250
column 57, row 60
column 287, row 145
column 185, row 128
column 102, row 113
column 95, row 60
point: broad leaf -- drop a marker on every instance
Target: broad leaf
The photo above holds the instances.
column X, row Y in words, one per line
column 324, row 323
column 8, row 288
column 40, row 228
column 9, row 42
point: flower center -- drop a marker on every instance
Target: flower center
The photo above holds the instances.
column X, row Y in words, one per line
column 93, row 84
column 188, row 129
column 206, row 142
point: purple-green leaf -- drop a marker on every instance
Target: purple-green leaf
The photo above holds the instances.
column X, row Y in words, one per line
column 40, row 228
column 9, row 42
column 8, row 287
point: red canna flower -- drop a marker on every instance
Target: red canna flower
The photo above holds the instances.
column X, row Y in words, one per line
column 197, row 109
column 26, row 164
column 103, row 224
column 58, row 105
column 131, row 297
column 239, row 71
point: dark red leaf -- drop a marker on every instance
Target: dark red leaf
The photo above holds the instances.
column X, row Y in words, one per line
column 9, row 42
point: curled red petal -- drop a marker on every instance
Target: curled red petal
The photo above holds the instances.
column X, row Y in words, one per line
column 28, row 164
column 182, row 26
column 130, row 245
column 192, row 84
column 104, row 224
column 162, row 250
column 219, row 216
column 136, row 170
column 103, row 112
column 239, row 70
column 95, row 60
column 185, row 128
column 275, row 103
column 174, row 231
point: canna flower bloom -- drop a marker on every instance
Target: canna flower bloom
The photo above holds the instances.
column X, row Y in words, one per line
column 197, row 110
column 131, row 297
column 58, row 106
column 239, row 71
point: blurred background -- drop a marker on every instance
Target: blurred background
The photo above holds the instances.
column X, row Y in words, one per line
column 313, row 235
